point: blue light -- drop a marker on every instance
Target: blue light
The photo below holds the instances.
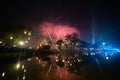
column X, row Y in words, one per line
column 107, row 57
column 117, row 50
column 103, row 43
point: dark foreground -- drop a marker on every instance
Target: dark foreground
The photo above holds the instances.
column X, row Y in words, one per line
column 36, row 69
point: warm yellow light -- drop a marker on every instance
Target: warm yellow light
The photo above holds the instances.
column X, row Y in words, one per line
column 14, row 45
column 25, row 32
column 3, row 74
column 17, row 65
column 30, row 47
column 29, row 59
column 21, row 43
column 29, row 34
column 40, row 45
column 36, row 58
column 11, row 37
column 0, row 42
column 23, row 66
column 26, row 41
column 29, row 38
column 23, row 77
column 24, row 70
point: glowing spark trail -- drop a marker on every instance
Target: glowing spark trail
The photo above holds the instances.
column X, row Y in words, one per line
column 56, row 31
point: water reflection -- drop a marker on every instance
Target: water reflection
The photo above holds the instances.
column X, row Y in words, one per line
column 55, row 67
column 10, row 71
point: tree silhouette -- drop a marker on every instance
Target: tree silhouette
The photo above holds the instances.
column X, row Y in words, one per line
column 72, row 40
column 59, row 43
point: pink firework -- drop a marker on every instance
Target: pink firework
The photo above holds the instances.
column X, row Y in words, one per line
column 56, row 31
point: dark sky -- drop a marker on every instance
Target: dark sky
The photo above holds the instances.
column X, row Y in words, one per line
column 101, row 17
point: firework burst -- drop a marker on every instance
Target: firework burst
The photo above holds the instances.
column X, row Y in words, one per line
column 56, row 31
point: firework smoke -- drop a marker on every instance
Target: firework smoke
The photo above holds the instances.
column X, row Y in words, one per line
column 56, row 31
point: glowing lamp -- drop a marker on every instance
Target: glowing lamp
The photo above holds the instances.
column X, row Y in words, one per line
column 29, row 34
column 11, row 37
column 0, row 42
column 14, row 45
column 17, row 66
column 103, row 43
column 25, row 32
column 26, row 41
column 107, row 57
column 21, row 43
column 3, row 74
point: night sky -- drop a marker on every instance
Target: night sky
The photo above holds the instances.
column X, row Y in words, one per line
column 98, row 19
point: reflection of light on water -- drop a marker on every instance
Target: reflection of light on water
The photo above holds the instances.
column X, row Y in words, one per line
column 24, row 77
column 79, row 60
column 17, row 65
column 44, row 64
column 68, row 61
column 29, row 59
column 18, row 78
column 23, row 66
column 74, row 60
column 57, row 60
column 39, row 61
column 24, row 70
column 3, row 74
column 63, row 60
column 36, row 58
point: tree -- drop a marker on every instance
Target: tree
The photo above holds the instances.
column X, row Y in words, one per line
column 43, row 52
column 75, row 39
column 59, row 43
column 72, row 40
